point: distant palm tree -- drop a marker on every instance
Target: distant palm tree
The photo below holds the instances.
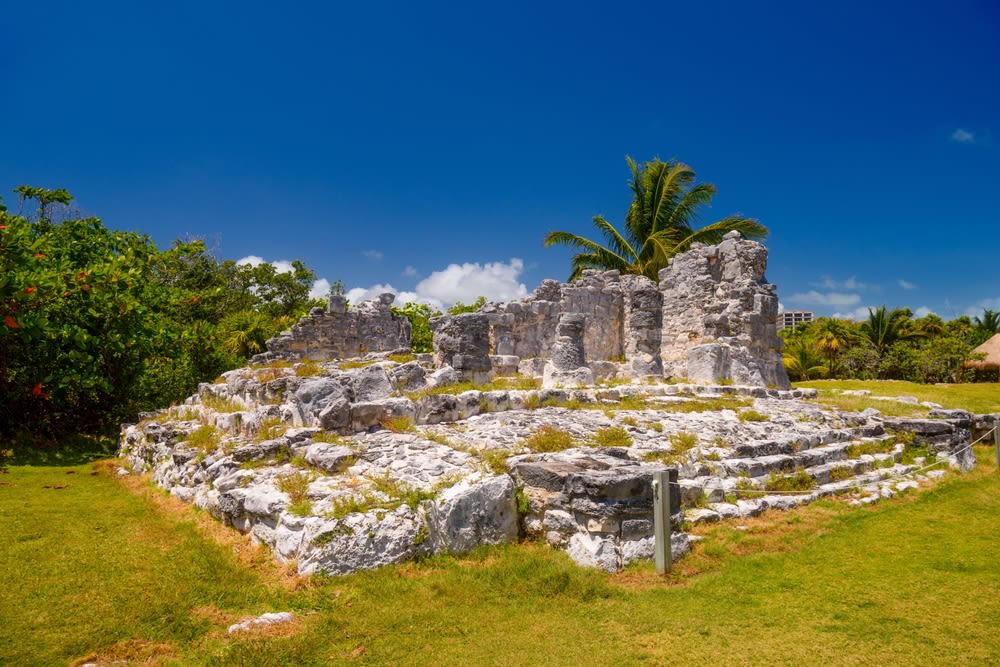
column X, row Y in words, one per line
column 832, row 337
column 658, row 224
column 885, row 327
column 802, row 360
column 989, row 322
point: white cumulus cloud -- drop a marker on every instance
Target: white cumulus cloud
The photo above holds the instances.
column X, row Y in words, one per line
column 851, row 283
column 923, row 311
column 963, row 136
column 814, row 298
column 320, row 289
column 858, row 314
column 906, row 284
column 410, row 272
column 373, row 255
column 497, row 281
column 280, row 265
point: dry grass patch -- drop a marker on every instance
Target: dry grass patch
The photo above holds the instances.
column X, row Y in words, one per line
column 130, row 652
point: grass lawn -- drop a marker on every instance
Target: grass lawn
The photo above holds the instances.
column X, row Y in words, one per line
column 980, row 397
column 107, row 569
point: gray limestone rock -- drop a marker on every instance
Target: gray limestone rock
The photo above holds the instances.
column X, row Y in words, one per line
column 473, row 513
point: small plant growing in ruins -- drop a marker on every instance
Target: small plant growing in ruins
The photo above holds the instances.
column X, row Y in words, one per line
column 754, row 416
column 707, row 404
column 856, row 449
column 725, row 382
column 402, row 358
column 266, row 375
column 713, row 456
column 496, row 460
column 744, row 484
column 204, row 438
column 518, row 382
column 800, row 480
column 308, row 368
column 721, row 442
column 531, row 402
column 655, row 426
column 630, row 421
column 521, row 500
column 328, row 436
column 296, row 485
column 548, row 438
column 400, row 491
column 662, row 456
column 614, row 436
column 841, row 473
column 700, row 499
column 682, row 441
column 270, row 428
column 349, row 504
column 219, row 380
column 398, row 424
column 356, row 363
column 220, row 403
column 484, row 406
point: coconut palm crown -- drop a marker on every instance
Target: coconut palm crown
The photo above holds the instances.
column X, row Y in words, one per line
column 658, row 224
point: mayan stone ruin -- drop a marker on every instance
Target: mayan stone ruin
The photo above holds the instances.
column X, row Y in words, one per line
column 711, row 318
column 544, row 418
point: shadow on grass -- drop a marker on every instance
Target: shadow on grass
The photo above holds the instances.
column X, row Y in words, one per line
column 73, row 450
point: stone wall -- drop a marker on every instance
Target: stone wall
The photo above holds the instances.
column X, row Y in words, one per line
column 712, row 317
column 719, row 316
column 339, row 333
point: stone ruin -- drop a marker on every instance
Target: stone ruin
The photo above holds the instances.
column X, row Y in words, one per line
column 365, row 457
column 711, row 318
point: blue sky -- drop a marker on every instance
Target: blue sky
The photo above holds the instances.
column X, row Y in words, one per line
column 431, row 147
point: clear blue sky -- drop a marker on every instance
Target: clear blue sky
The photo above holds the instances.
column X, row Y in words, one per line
column 430, row 148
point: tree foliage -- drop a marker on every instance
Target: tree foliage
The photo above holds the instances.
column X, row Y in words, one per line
column 659, row 223
column 97, row 324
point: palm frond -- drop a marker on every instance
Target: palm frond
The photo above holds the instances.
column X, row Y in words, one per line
column 685, row 213
column 713, row 233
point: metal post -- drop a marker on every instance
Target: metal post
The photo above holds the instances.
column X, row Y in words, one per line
column 996, row 440
column 661, row 520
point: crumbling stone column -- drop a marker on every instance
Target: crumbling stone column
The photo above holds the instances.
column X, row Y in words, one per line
column 568, row 366
column 643, row 316
column 463, row 342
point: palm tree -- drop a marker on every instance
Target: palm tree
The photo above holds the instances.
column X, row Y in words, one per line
column 832, row 337
column 885, row 327
column 658, row 224
column 989, row 322
column 802, row 361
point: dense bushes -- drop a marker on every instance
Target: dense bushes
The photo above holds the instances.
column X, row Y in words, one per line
column 99, row 324
column 890, row 344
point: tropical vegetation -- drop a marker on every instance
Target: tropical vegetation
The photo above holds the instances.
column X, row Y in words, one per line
column 660, row 222
column 888, row 345
column 99, row 324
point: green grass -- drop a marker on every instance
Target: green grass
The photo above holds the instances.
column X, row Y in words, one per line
column 548, row 438
column 980, row 397
column 612, row 436
column 96, row 568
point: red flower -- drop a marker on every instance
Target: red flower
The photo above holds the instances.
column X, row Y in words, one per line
column 10, row 322
column 3, row 226
column 29, row 290
column 37, row 391
column 194, row 299
column 39, row 255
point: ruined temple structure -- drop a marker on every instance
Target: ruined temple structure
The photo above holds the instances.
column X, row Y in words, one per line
column 711, row 318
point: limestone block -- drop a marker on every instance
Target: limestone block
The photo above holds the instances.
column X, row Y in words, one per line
column 362, row 541
column 472, row 513
column 329, row 456
column 594, row 551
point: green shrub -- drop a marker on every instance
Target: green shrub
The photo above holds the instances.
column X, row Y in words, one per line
column 548, row 438
column 206, row 438
column 398, row 424
column 800, row 480
column 754, row 416
column 682, row 441
column 614, row 436
column 296, row 485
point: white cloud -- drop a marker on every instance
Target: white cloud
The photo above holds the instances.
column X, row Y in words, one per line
column 814, row 298
column 252, row 260
column 320, row 289
column 923, row 311
column 466, row 282
column 373, row 255
column 858, row 314
column 851, row 283
column 986, row 304
column 906, row 284
column 280, row 266
column 410, row 272
column 781, row 307
column 963, row 136
column 497, row 281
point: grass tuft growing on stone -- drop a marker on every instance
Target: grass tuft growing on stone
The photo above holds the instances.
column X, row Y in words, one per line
column 548, row 438
column 612, row 436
